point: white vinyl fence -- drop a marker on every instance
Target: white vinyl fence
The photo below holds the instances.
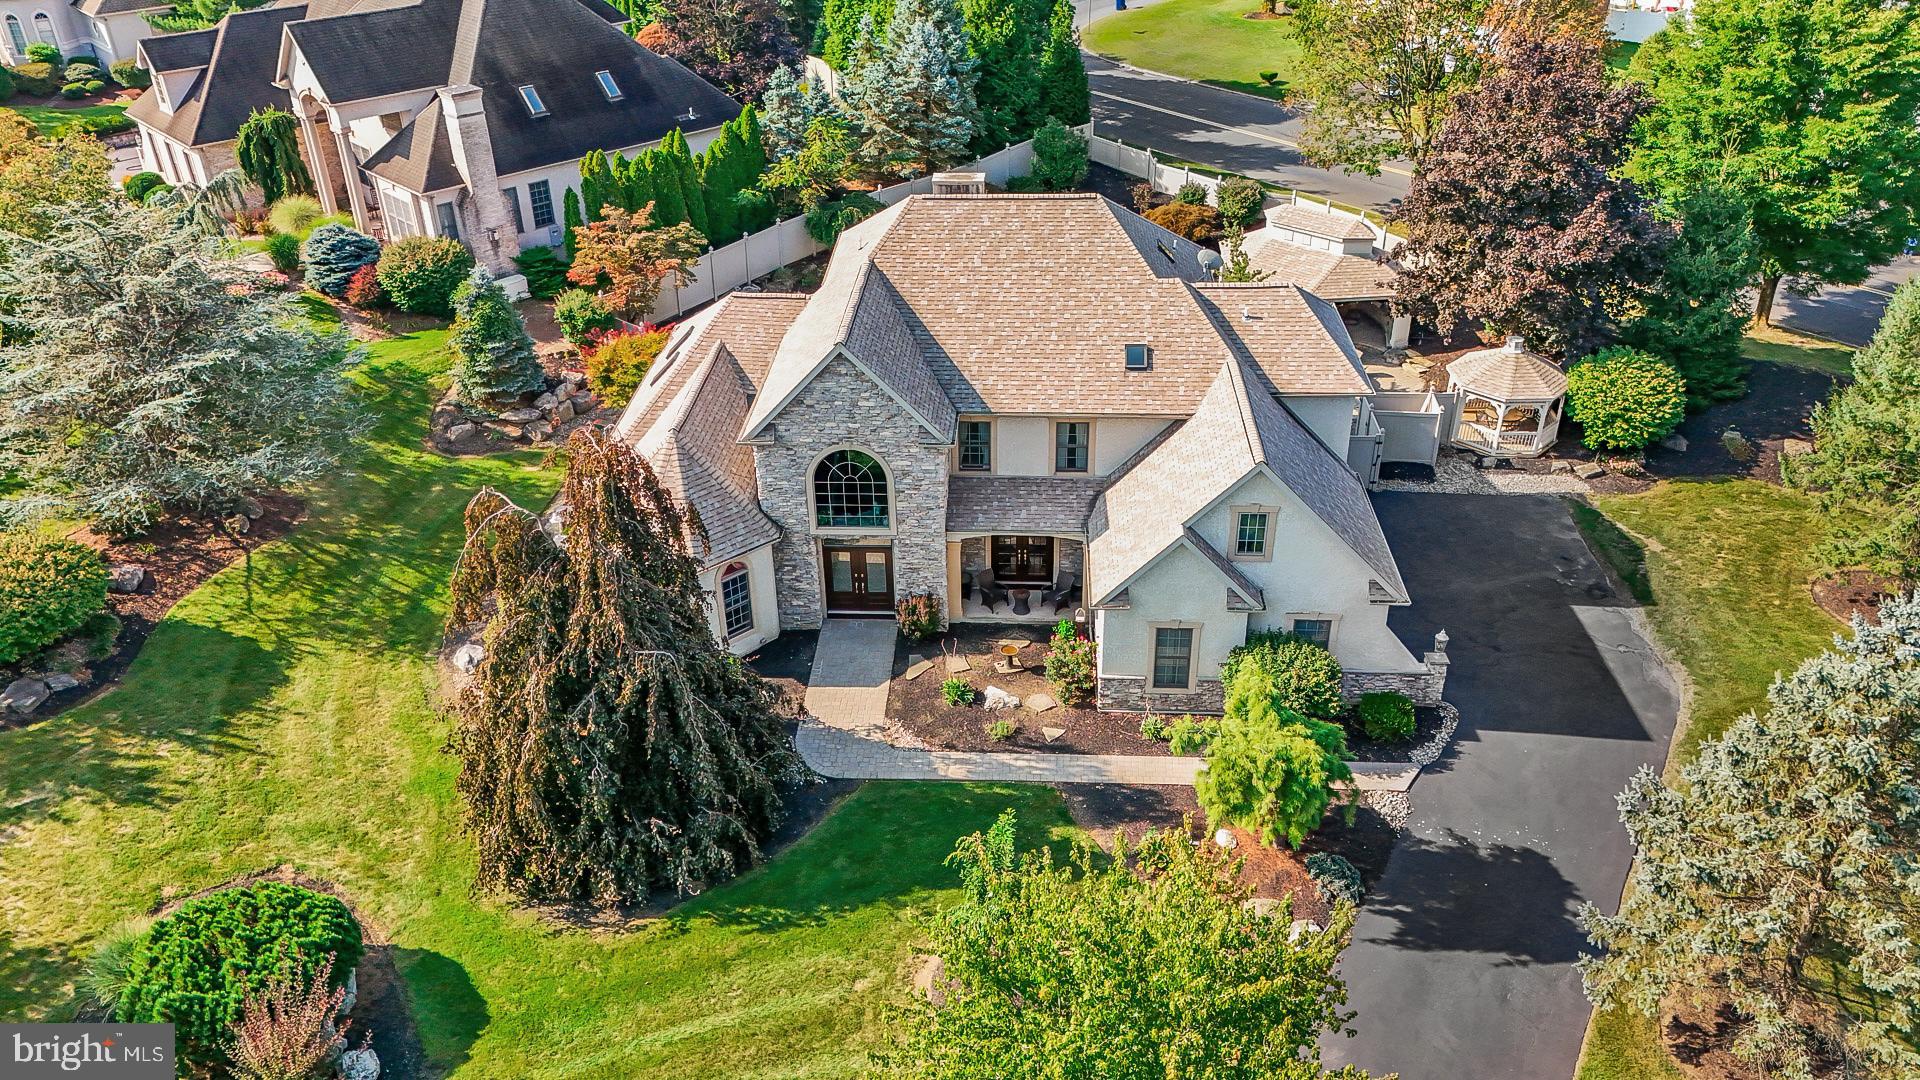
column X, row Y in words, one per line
column 756, row 255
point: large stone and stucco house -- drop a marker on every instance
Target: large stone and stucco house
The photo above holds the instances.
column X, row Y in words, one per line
column 1035, row 407
column 109, row 30
column 461, row 118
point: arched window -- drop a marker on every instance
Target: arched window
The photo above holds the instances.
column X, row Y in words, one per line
column 736, row 599
column 850, row 491
column 43, row 29
column 17, row 36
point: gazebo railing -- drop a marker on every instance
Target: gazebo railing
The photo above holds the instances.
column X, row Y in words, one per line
column 1481, row 437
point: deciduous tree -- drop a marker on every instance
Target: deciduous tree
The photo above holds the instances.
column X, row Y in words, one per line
column 1006, row 39
column 1064, row 94
column 635, row 257
column 1779, row 873
column 1805, row 110
column 41, row 178
column 734, row 44
column 814, row 174
column 1518, row 216
column 608, row 746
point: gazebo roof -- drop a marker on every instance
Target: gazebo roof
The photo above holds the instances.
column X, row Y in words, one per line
column 1508, row 373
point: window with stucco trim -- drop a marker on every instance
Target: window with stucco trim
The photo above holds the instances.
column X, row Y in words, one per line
column 1173, row 657
column 976, row 445
column 1072, row 446
column 1316, row 627
column 1250, row 532
column 736, row 600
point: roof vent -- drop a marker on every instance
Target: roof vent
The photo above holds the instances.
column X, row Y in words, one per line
column 960, row 183
column 1516, row 343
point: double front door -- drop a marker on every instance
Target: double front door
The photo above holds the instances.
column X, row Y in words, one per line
column 1023, row 560
column 859, row 578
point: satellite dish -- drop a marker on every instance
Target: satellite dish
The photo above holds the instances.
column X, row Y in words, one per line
column 1211, row 261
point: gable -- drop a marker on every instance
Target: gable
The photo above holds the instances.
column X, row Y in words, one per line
column 841, row 401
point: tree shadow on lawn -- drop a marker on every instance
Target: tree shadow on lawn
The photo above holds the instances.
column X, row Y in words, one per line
column 1458, row 895
column 886, row 844
column 442, row 1016
column 181, row 698
column 38, row 975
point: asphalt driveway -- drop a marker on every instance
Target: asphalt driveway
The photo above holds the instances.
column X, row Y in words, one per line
column 1461, row 960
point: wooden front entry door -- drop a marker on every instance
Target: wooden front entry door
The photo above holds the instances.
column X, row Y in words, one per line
column 859, row 578
column 1023, row 559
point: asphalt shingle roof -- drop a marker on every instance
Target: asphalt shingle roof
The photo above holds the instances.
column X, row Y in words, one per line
column 1326, row 274
column 1037, row 504
column 1510, row 374
column 244, row 51
column 1317, row 221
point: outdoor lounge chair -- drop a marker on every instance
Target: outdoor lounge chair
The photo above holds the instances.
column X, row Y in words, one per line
column 991, row 591
column 1064, row 593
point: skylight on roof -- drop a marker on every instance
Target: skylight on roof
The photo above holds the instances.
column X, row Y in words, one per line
column 532, row 97
column 608, row 86
column 1139, row 357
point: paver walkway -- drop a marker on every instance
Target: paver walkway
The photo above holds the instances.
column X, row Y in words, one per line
column 846, row 737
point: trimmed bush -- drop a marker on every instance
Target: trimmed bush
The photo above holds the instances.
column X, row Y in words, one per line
column 1059, row 156
column 41, row 52
column 295, row 214
column 282, row 248
column 618, row 361
column 827, row 221
column 130, row 74
column 1386, row 716
column 1335, row 877
column 1186, row 219
column 82, row 72
column 581, row 315
column 1624, row 399
column 158, row 190
column 36, row 78
column 73, row 91
column 1239, row 200
column 48, row 589
column 137, row 185
column 334, row 253
column 363, row 289
column 1070, row 664
column 95, row 86
column 198, row 965
column 546, row 275
column 420, row 273
column 919, row 616
column 1305, row 676
column 1193, row 193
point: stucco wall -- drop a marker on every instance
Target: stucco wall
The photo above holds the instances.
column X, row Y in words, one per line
column 842, row 407
column 1023, row 445
column 766, row 604
column 1181, row 588
column 1329, row 418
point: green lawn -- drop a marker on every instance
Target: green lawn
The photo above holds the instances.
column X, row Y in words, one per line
column 1783, row 346
column 1727, row 566
column 1208, row 40
column 46, row 118
column 282, row 715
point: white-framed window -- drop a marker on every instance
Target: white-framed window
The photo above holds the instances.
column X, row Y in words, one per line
column 1315, row 627
column 449, row 220
column 1173, row 648
column 17, row 37
column 1252, row 536
column 608, row 86
column 736, row 600
column 1072, row 446
column 850, row 492
column 399, row 215
column 43, row 28
column 1139, row 357
column 540, row 195
column 976, row 445
column 532, row 97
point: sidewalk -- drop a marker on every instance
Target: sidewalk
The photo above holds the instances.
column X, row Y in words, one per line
column 845, row 736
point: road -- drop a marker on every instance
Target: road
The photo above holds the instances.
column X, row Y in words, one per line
column 1846, row 314
column 1461, row 962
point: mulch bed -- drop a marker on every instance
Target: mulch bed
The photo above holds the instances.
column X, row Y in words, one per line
column 786, row 662
column 179, row 555
column 1426, row 720
column 1698, row 1032
column 920, row 709
column 1273, row 873
column 1854, row 592
column 1777, row 408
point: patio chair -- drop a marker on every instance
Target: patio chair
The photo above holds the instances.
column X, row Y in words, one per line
column 1064, row 593
column 991, row 591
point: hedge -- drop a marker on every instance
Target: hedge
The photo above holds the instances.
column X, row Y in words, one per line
column 47, row 589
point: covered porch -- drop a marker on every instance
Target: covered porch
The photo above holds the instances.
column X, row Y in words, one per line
column 1016, row 546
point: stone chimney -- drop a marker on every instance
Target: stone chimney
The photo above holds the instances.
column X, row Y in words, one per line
column 484, row 217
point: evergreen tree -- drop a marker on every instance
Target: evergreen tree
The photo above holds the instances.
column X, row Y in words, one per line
column 913, row 101
column 753, row 149
column 492, row 355
column 1006, row 39
column 268, row 151
column 572, row 218
column 1780, row 871
column 675, row 151
column 714, row 169
column 1865, row 467
column 840, row 22
column 609, row 747
column 1064, row 93
column 663, row 181
column 788, row 109
column 1694, row 314
column 633, row 182
column 334, row 253
column 1806, row 111
column 596, row 183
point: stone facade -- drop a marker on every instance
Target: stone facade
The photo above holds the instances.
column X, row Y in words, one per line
column 1424, row 687
column 1128, row 693
column 841, row 407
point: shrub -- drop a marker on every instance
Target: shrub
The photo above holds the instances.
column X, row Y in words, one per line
column 334, row 253
column 1386, row 716
column 1239, row 200
column 130, row 74
column 618, row 361
column 199, row 965
column 363, row 288
column 1002, row 729
column 95, row 86
column 827, row 221
column 73, row 91
column 82, row 72
column 1188, row 735
column 919, row 615
column 1269, row 770
column 1185, row 219
column 1024, row 185
column 420, row 273
column 1193, row 193
column 957, row 693
column 1305, row 675
column 753, row 209
column 1625, row 399
column 582, row 315
column 493, row 358
column 1059, row 156
column 295, row 214
column 41, row 52
column 1335, row 877
column 48, row 588
column 1070, row 664
column 38, row 78
column 286, row 1031
column 110, row 966
column 137, row 185
column 1268, row 78
column 1142, row 196
column 1152, row 727
column 6, row 84
column 159, row 190
column 546, row 274
column 282, row 248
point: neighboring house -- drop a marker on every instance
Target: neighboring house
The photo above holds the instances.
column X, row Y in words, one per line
column 1336, row 257
column 461, row 118
column 108, row 29
column 998, row 400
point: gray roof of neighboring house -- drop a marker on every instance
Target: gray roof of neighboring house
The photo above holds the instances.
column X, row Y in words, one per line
column 1039, row 504
column 240, row 65
column 118, row 7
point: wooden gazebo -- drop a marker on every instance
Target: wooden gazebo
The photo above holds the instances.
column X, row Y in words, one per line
column 1508, row 402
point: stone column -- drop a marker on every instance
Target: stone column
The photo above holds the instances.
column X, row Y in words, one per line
column 317, row 160
column 491, row 235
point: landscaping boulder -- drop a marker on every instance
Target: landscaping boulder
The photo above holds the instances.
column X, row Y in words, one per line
column 467, row 657
column 498, row 427
column 460, row 431
column 1590, row 471
column 360, row 1065
column 238, row 524
column 22, row 696
column 999, row 699
column 251, row 507
column 126, row 579
column 544, row 401
column 58, row 681
column 1675, row 442
column 520, row 416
